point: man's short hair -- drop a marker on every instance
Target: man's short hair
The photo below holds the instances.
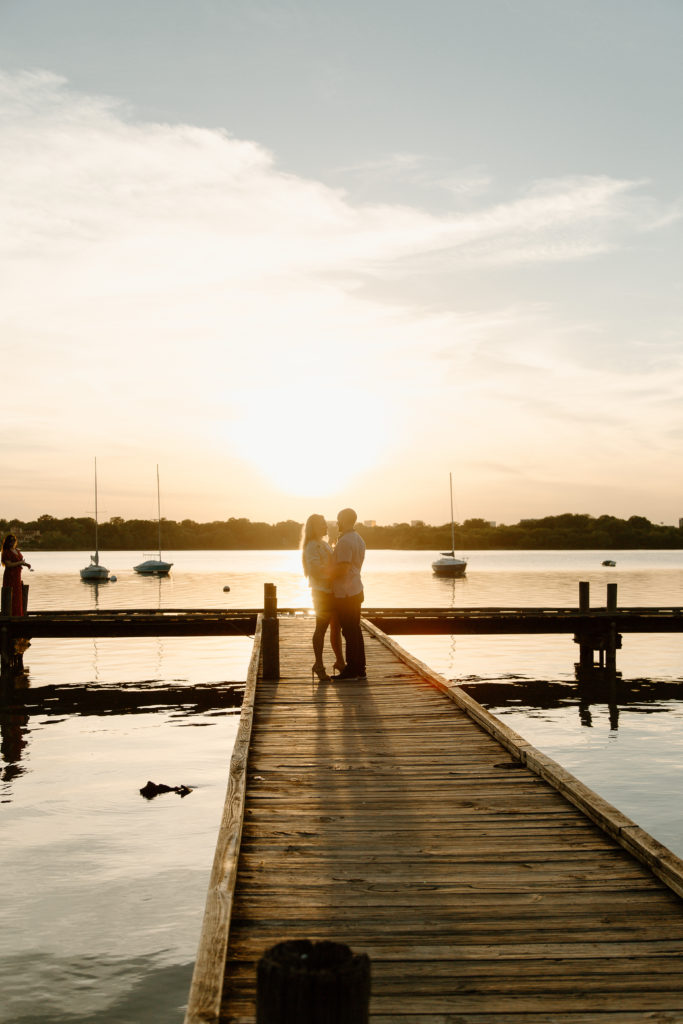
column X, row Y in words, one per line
column 346, row 519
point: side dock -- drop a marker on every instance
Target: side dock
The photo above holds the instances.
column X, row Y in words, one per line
column 486, row 884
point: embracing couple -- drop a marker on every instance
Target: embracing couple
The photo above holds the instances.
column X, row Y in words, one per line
column 337, row 591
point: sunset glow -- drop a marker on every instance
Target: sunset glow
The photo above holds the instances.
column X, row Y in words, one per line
column 346, row 279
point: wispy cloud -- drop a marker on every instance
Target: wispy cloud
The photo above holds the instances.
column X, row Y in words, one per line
column 156, row 274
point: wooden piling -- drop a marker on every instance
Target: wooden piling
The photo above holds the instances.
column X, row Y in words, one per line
column 598, row 635
column 303, row 982
column 583, row 638
column 5, row 642
column 270, row 636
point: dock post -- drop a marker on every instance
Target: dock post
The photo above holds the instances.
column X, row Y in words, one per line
column 613, row 638
column 5, row 662
column 585, row 643
column 5, row 609
column 270, row 634
column 302, row 982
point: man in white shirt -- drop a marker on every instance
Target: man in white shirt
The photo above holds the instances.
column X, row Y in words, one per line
column 348, row 592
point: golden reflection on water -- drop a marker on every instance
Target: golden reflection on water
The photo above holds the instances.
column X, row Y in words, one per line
column 80, row 844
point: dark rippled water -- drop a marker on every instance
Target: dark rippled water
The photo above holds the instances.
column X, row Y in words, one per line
column 104, row 891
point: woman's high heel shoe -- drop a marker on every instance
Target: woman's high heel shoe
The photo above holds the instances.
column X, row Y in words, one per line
column 338, row 666
column 319, row 671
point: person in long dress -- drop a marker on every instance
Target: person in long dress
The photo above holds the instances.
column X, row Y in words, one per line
column 318, row 560
column 13, row 561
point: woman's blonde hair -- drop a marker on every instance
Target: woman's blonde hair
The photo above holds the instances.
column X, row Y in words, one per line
column 312, row 527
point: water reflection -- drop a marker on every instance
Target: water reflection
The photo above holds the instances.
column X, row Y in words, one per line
column 90, row 989
column 14, row 738
column 82, row 847
column 93, row 587
column 615, row 695
column 19, row 702
column 90, row 849
column 452, row 589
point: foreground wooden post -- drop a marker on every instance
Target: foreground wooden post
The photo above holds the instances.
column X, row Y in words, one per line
column 302, row 982
column 611, row 597
column 270, row 634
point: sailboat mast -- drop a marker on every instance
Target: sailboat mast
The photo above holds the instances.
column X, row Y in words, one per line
column 159, row 511
column 450, row 481
column 97, row 547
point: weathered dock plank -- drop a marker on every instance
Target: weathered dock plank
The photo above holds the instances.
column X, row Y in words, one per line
column 485, row 883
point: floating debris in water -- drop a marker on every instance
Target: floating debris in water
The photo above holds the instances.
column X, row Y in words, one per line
column 153, row 789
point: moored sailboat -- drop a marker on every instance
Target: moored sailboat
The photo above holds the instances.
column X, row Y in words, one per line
column 449, row 564
column 95, row 573
column 155, row 566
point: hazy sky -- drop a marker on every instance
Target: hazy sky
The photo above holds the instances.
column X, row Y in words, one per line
column 305, row 254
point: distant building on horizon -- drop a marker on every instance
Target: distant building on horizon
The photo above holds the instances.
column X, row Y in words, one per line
column 369, row 522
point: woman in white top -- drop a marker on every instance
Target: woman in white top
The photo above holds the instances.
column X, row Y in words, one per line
column 318, row 560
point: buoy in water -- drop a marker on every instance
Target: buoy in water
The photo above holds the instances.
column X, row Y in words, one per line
column 226, row 589
column 112, row 579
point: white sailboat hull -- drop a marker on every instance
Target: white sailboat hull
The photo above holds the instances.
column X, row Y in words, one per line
column 153, row 567
column 96, row 573
column 449, row 565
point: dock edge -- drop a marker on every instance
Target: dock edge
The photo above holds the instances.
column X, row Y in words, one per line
column 206, row 990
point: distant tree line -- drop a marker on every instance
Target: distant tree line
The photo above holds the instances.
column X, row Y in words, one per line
column 568, row 531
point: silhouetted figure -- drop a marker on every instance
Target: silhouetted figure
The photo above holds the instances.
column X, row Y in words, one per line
column 349, row 554
column 318, row 561
column 13, row 561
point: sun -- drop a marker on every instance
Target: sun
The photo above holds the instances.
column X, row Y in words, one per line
column 312, row 445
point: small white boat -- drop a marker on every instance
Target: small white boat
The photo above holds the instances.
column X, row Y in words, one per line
column 155, row 566
column 449, row 564
column 95, row 573
column 608, row 561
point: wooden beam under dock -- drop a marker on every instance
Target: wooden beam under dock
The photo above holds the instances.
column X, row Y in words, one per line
column 394, row 621
column 486, row 884
column 134, row 622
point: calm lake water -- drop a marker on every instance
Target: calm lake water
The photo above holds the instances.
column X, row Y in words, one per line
column 104, row 891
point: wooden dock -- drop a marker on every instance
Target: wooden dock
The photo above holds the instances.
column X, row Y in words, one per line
column 395, row 621
column 485, row 883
